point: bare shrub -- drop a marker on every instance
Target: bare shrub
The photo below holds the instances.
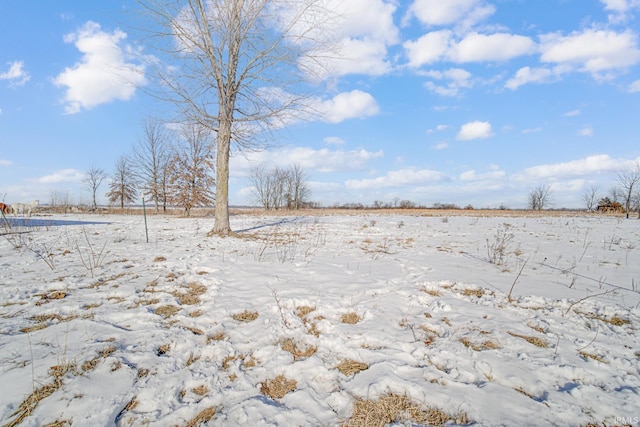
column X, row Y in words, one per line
column 498, row 249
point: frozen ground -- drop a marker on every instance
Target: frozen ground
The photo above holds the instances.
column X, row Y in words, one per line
column 100, row 328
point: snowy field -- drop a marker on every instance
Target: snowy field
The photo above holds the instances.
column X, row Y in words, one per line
column 321, row 321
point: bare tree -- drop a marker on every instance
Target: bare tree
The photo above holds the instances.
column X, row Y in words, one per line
column 191, row 170
column 262, row 182
column 539, row 197
column 236, row 62
column 93, row 179
column 629, row 178
column 151, row 156
column 299, row 191
column 123, row 186
column 278, row 187
column 590, row 198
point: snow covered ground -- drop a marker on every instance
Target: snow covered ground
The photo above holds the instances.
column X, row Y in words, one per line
column 524, row 320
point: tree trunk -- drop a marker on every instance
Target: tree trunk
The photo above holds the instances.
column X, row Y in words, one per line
column 221, row 224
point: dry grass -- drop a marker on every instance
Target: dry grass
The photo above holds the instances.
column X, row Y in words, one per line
column 478, row 293
column 201, row 390
column 304, row 310
column 485, row 345
column 202, row 418
column 350, row 318
column 431, row 291
column 396, row 408
column 618, row 321
column 167, row 310
column 226, row 363
column 350, row 367
column 194, row 330
column 218, row 336
column 245, row 316
column 192, row 359
column 192, row 296
column 592, row 356
column 31, row 402
column 537, row 328
column 298, row 351
column 538, row 342
column 159, row 259
column 278, row 387
column 33, row 328
column 163, row 349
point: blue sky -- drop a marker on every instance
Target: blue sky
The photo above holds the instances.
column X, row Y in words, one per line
column 460, row 101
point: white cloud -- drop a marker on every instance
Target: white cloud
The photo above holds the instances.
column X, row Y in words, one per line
column 529, row 75
column 6, row 162
column 348, row 105
column 103, row 75
column 440, row 146
column 312, row 160
column 474, row 130
column 593, row 51
column 64, row 175
column 572, row 113
column 474, row 47
column 458, row 79
column 334, row 140
column 15, row 74
column 588, row 132
column 491, row 47
column 531, row 130
column 619, row 8
column 428, row 49
column 397, row 179
column 583, row 167
column 359, row 41
column 464, row 13
column 472, row 176
column 634, row 87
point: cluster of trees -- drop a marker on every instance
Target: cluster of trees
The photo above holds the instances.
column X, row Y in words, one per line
column 280, row 188
column 623, row 197
column 167, row 171
column 178, row 169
